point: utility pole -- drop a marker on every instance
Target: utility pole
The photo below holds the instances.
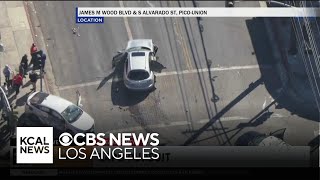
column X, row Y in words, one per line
column 39, row 59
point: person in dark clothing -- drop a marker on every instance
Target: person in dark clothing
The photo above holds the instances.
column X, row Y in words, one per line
column 43, row 59
column 24, row 63
column 33, row 79
column 21, row 70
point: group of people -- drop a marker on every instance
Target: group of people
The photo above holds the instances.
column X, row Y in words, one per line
column 15, row 81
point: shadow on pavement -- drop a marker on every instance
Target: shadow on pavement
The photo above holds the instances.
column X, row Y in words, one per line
column 220, row 114
column 105, row 80
column 22, row 100
column 155, row 66
column 26, row 84
column 257, row 120
column 271, row 76
column 120, row 95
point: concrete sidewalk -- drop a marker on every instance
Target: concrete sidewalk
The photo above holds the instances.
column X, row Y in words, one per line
column 16, row 36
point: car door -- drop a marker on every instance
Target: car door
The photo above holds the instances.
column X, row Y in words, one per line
column 43, row 114
column 57, row 121
column 119, row 59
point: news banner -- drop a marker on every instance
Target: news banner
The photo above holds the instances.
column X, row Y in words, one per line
column 97, row 14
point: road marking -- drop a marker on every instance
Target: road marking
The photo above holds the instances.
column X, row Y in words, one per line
column 265, row 102
column 172, row 73
column 211, row 69
column 126, row 23
column 184, row 123
column 150, row 4
column 182, row 41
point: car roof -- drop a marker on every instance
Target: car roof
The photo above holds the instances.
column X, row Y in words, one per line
column 139, row 60
column 54, row 102
column 140, row 43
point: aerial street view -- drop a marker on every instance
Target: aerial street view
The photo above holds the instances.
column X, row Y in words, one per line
column 196, row 81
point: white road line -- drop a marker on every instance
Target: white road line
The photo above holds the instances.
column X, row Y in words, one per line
column 184, row 123
column 126, row 23
column 212, row 69
column 150, row 4
column 172, row 73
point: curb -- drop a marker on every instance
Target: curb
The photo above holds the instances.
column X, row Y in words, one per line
column 36, row 31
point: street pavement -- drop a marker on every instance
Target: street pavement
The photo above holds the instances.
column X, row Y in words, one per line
column 191, row 103
column 16, row 36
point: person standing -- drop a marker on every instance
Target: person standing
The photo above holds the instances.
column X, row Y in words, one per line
column 33, row 53
column 17, row 83
column 24, row 63
column 43, row 60
column 33, row 49
column 21, row 70
column 33, row 76
column 7, row 72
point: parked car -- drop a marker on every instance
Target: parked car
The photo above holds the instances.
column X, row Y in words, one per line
column 59, row 113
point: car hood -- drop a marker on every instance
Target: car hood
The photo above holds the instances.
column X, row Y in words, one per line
column 85, row 122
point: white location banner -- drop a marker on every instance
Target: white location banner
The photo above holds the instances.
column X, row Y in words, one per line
column 195, row 12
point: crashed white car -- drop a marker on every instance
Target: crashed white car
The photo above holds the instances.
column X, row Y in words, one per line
column 137, row 73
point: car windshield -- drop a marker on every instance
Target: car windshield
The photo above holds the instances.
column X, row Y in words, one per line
column 72, row 113
column 137, row 75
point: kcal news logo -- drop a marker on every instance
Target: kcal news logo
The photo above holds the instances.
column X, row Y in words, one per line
column 34, row 145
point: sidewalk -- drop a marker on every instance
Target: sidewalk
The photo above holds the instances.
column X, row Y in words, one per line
column 16, row 36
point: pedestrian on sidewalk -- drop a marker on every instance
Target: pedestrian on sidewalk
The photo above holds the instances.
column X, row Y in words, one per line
column 17, row 83
column 24, row 63
column 43, row 60
column 33, row 53
column 21, row 70
column 33, row 76
column 12, row 74
column 33, row 49
column 7, row 72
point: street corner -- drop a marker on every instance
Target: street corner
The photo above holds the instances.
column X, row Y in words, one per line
column 18, row 18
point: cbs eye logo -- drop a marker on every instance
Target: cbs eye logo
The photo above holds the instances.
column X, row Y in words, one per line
column 65, row 139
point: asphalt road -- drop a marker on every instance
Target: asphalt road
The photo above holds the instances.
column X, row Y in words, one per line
column 238, row 88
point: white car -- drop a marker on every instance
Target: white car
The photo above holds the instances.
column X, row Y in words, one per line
column 137, row 73
column 59, row 113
